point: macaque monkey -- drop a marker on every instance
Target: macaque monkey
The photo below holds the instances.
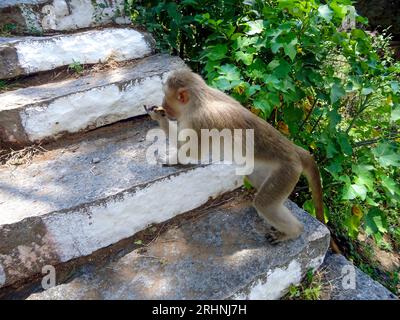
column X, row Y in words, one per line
column 278, row 162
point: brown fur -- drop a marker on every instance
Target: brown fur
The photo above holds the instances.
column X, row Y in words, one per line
column 278, row 161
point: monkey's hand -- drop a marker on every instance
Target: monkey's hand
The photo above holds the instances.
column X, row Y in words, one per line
column 156, row 113
column 168, row 159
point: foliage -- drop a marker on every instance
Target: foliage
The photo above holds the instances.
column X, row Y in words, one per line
column 329, row 86
column 108, row 9
column 76, row 66
column 7, row 29
column 310, row 289
column 3, row 85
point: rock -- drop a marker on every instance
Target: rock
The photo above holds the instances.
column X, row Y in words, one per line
column 381, row 14
column 350, row 283
column 48, row 111
column 220, row 255
column 58, row 208
column 25, row 55
column 41, row 16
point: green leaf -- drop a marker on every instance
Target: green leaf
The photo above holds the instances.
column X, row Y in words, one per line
column 334, row 119
column 325, row 12
column 390, row 185
column 138, row 242
column 358, row 34
column 264, row 102
column 252, row 90
column 308, row 206
column 394, row 86
column 364, row 176
column 189, row 2
column 352, row 191
column 293, row 116
column 290, row 49
column 334, row 168
column 395, row 115
column 314, row 77
column 222, row 84
column 217, row 52
column 362, row 20
column 255, row 27
column 331, row 150
column 275, row 46
column 245, row 42
column 246, row 58
column 366, row 91
column 174, row 13
column 386, row 155
column 271, row 81
column 352, row 224
column 288, row 42
column 211, row 66
column 257, row 69
column 344, row 143
column 273, row 64
column 337, row 92
column 230, row 72
column 247, row 184
column 282, row 70
column 375, row 222
column 340, row 10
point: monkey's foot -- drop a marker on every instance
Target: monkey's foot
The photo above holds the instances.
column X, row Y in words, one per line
column 274, row 236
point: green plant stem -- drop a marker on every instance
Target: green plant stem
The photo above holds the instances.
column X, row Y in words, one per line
column 308, row 114
column 316, row 123
column 364, row 105
column 390, row 136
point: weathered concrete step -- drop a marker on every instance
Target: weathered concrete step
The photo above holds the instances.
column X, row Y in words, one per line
column 218, row 255
column 27, row 55
column 350, row 283
column 38, row 16
column 76, row 199
column 51, row 110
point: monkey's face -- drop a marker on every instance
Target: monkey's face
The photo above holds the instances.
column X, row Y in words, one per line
column 166, row 104
column 175, row 102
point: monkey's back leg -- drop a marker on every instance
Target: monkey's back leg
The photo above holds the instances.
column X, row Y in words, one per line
column 269, row 203
column 262, row 170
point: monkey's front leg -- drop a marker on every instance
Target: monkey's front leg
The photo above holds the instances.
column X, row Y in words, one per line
column 169, row 157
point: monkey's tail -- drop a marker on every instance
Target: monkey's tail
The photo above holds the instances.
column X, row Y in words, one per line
column 310, row 170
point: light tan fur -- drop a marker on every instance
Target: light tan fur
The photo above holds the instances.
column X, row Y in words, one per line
column 278, row 161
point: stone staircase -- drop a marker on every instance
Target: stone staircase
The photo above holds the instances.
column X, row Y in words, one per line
column 51, row 110
column 44, row 16
column 82, row 201
column 220, row 254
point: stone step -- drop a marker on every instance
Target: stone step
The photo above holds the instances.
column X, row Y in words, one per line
column 220, row 254
column 41, row 16
column 49, row 111
column 85, row 195
column 347, row 282
column 27, row 55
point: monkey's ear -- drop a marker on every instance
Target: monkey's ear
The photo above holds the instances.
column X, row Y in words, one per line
column 183, row 95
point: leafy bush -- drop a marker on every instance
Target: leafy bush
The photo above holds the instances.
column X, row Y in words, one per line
column 331, row 88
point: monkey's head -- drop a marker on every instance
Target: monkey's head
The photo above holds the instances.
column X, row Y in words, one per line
column 181, row 92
